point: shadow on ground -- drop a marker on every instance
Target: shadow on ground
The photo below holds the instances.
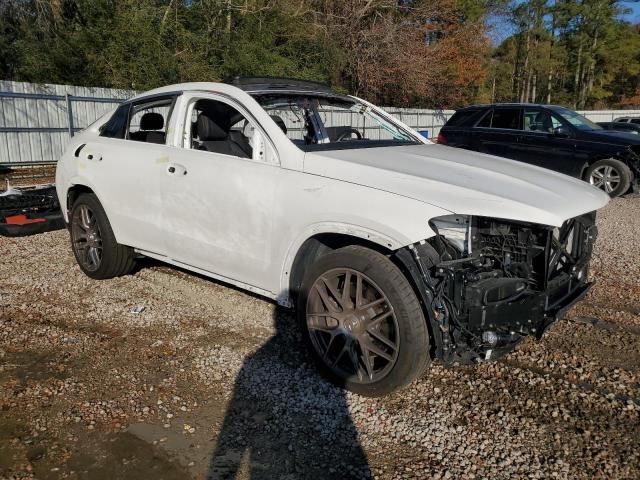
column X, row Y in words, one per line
column 284, row 421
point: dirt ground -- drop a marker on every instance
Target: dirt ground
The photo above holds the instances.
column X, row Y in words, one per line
column 167, row 375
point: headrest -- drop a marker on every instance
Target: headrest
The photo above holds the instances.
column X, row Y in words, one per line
column 541, row 117
column 279, row 122
column 209, row 130
column 151, row 121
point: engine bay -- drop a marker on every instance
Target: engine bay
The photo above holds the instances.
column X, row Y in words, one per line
column 491, row 282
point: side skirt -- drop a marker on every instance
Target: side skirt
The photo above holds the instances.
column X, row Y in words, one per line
column 206, row 273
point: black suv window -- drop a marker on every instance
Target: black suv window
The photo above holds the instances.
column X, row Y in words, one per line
column 506, row 118
column 117, row 124
column 486, row 120
column 635, row 120
column 537, row 120
column 461, row 117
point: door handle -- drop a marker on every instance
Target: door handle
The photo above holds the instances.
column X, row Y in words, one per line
column 176, row 169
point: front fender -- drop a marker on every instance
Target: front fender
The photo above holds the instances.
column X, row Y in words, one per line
column 389, row 240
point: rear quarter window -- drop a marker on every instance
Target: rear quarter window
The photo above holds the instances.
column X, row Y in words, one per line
column 506, row 118
column 462, row 117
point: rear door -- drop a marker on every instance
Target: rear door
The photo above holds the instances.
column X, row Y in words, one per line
column 457, row 131
column 122, row 165
column 497, row 132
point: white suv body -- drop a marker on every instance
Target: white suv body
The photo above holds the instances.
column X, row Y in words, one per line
column 206, row 177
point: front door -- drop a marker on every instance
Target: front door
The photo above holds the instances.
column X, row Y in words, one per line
column 539, row 145
column 218, row 194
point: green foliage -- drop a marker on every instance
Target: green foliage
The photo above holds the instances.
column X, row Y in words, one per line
column 577, row 53
column 431, row 53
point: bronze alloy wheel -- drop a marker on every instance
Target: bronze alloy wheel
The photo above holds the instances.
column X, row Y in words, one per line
column 86, row 238
column 352, row 326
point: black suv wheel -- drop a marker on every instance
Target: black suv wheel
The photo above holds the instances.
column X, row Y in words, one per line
column 610, row 175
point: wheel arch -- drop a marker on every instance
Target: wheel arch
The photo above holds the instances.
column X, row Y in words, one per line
column 77, row 187
column 74, row 192
column 603, row 156
column 314, row 246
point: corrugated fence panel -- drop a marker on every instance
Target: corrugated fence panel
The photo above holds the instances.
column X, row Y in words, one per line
column 24, row 117
column 19, row 116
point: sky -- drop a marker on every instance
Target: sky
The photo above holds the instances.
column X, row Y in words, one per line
column 501, row 28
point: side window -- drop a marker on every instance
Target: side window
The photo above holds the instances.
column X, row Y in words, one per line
column 536, row 120
column 506, row 118
column 148, row 121
column 292, row 121
column 485, row 122
column 217, row 127
column 117, row 124
column 635, row 120
column 461, row 117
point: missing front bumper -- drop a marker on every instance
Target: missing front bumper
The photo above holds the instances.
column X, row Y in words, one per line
column 519, row 280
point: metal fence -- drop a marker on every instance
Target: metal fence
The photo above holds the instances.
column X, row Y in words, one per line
column 36, row 121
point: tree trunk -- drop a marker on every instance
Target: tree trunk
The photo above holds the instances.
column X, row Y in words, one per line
column 524, row 88
column 592, row 69
column 576, row 78
column 551, row 45
column 533, row 88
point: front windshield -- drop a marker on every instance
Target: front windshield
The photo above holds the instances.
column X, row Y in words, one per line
column 327, row 122
column 577, row 120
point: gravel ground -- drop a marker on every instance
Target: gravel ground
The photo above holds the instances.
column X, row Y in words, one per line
column 206, row 380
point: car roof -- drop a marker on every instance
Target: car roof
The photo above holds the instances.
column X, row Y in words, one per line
column 513, row 104
column 238, row 85
column 277, row 84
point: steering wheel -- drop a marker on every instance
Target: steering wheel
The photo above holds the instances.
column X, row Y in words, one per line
column 347, row 133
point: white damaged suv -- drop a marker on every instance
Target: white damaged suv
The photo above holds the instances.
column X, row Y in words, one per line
column 394, row 251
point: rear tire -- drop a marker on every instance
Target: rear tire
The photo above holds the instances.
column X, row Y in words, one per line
column 610, row 175
column 93, row 242
column 370, row 337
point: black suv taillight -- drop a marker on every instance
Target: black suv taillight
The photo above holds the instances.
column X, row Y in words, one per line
column 441, row 139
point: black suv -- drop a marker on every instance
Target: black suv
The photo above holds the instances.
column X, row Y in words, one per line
column 551, row 137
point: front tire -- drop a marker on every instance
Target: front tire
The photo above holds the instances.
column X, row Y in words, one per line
column 610, row 175
column 93, row 242
column 363, row 322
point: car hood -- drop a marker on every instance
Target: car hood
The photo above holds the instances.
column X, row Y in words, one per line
column 462, row 181
column 615, row 137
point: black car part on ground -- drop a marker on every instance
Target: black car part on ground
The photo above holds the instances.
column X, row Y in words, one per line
column 30, row 211
column 520, row 279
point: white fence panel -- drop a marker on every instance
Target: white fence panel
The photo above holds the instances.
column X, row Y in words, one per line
column 34, row 119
